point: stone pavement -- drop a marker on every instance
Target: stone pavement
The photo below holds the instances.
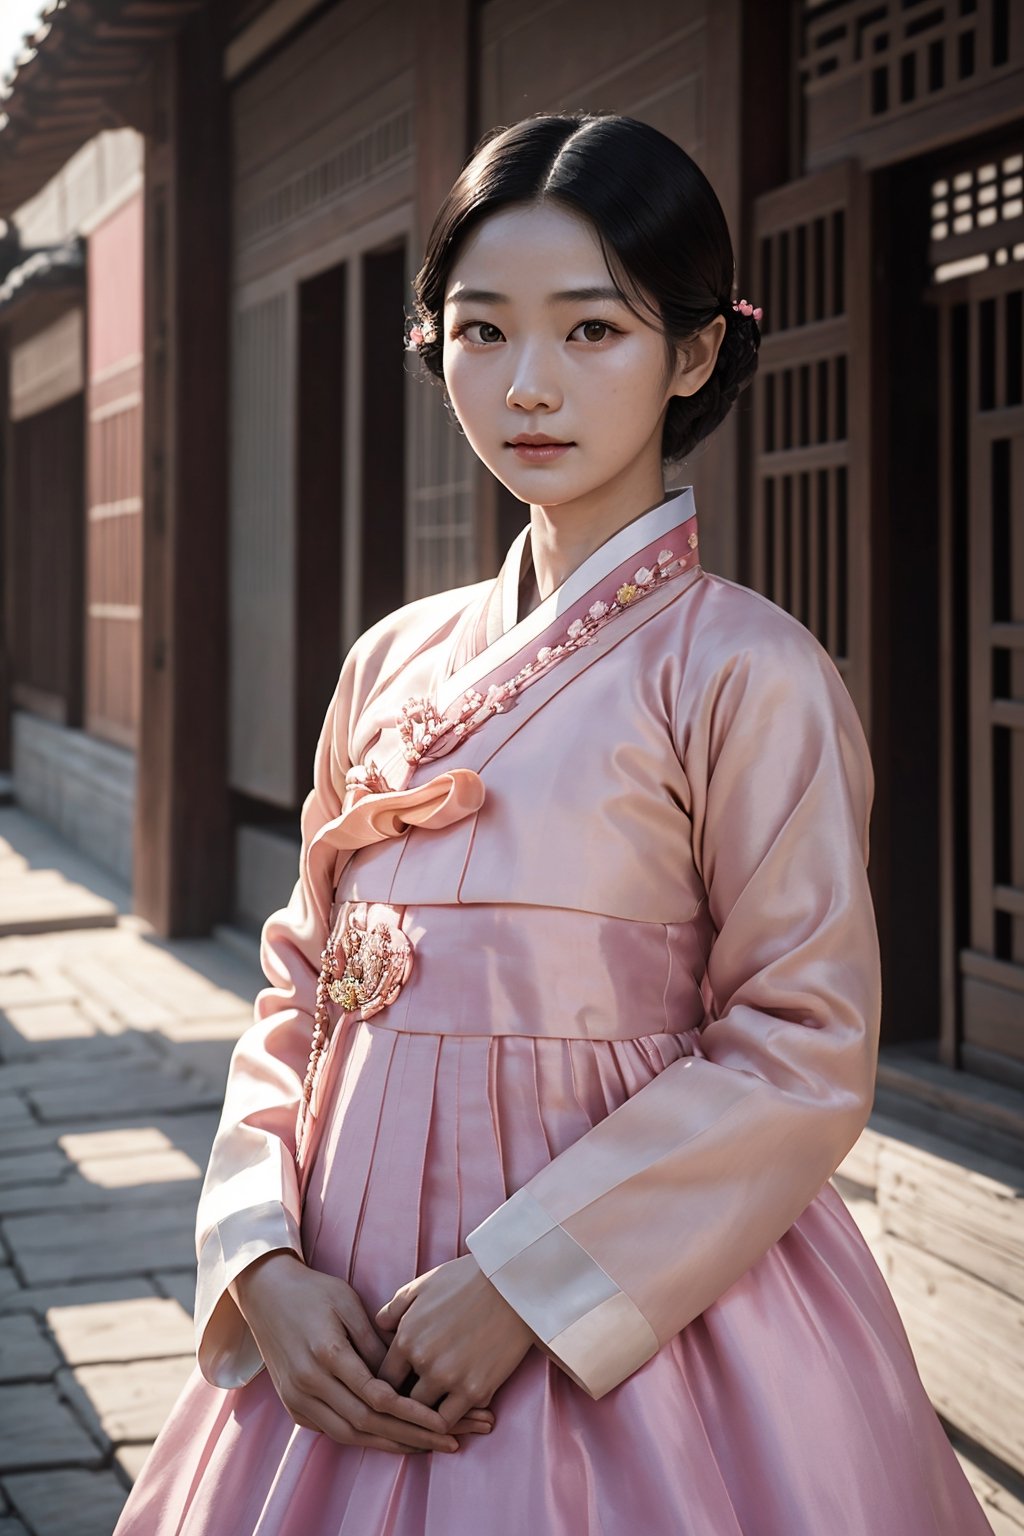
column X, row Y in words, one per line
column 114, row 1047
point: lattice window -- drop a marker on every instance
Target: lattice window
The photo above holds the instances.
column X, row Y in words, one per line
column 862, row 62
column 977, row 216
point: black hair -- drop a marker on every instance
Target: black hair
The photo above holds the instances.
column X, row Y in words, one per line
column 661, row 228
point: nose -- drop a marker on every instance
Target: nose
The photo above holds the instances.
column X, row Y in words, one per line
column 533, row 384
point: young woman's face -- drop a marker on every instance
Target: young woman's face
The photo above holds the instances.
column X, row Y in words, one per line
column 537, row 342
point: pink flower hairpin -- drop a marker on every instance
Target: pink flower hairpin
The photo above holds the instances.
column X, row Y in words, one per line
column 744, row 307
column 416, row 335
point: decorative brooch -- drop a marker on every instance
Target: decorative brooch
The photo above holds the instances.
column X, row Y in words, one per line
column 377, row 964
column 426, row 733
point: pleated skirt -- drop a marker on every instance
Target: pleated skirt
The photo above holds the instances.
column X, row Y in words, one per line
column 791, row 1407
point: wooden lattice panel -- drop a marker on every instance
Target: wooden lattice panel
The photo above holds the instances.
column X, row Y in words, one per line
column 862, row 63
column 810, row 531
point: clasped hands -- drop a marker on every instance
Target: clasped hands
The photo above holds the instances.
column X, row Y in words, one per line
column 334, row 1373
column 459, row 1335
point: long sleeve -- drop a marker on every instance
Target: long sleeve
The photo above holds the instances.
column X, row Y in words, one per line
column 631, row 1232
column 250, row 1201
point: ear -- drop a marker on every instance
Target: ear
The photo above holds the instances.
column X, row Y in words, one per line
column 697, row 358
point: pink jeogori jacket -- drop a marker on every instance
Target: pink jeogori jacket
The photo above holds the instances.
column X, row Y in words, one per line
column 681, row 808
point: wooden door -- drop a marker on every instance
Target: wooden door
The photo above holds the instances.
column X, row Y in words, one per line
column 981, row 439
column 810, row 536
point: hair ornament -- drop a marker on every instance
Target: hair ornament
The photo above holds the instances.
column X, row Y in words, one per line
column 744, row 307
column 417, row 333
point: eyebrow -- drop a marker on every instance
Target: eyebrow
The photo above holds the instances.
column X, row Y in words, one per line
column 566, row 296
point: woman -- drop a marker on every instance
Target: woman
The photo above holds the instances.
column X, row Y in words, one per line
column 593, row 1002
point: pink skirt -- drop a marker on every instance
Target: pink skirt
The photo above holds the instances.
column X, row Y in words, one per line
column 791, row 1407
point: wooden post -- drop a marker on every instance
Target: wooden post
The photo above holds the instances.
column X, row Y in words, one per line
column 182, row 832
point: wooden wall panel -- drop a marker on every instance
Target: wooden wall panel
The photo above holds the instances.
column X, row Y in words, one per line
column 262, row 538
column 676, row 66
column 647, row 60
column 322, row 135
column 322, row 175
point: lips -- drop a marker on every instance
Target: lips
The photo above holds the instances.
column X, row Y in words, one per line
column 537, row 440
column 542, row 452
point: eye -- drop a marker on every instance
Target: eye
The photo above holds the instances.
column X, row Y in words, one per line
column 595, row 325
column 483, row 325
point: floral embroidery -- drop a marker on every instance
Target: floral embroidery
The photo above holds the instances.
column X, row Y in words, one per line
column 427, row 733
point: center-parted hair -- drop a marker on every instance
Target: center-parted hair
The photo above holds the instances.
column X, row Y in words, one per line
column 661, row 228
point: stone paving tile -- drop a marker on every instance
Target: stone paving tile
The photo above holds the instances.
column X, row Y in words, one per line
column 146, row 1328
column 42, row 1165
column 131, row 1459
column 68, row 1503
column 14, row 1111
column 9, row 1282
column 42, row 847
column 171, row 1173
column 24, row 984
column 104, row 978
column 26, row 1136
column 12, row 1526
column 37, row 1429
column 40, row 1299
column 38, row 902
column 207, row 1058
column 26, row 1354
column 123, row 1240
column 144, row 1089
column 126, row 1401
column 59, row 1071
column 191, row 1134
column 73, row 1027
column 179, row 1284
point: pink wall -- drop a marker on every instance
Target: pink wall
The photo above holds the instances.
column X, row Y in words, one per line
column 115, row 288
column 113, row 572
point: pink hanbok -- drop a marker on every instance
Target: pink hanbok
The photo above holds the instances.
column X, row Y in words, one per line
column 617, row 1028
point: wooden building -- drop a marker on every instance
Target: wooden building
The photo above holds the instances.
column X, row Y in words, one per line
column 289, row 478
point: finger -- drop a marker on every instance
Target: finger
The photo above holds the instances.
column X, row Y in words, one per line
column 378, row 1443
column 380, row 1395
column 394, row 1367
column 365, row 1339
column 344, row 1433
column 454, row 1407
column 469, row 1426
column 370, row 1347
column 389, row 1314
column 345, row 1408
